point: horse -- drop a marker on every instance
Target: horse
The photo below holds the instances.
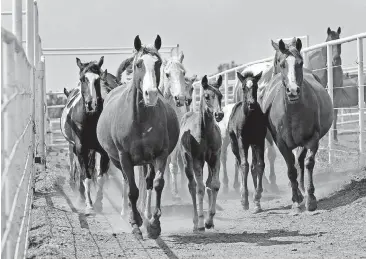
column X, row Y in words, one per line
column 138, row 127
column 267, row 73
column 344, row 94
column 299, row 112
column 78, row 125
column 248, row 128
column 200, row 142
column 177, row 89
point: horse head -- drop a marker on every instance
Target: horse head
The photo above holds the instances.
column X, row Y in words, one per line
column 336, row 49
column 289, row 62
column 90, row 82
column 174, row 83
column 146, row 70
column 212, row 98
column 249, row 84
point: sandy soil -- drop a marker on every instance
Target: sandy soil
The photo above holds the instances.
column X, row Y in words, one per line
column 336, row 230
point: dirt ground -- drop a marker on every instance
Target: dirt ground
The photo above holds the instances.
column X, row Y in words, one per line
column 336, row 230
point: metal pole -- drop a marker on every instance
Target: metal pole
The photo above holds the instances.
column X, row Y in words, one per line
column 30, row 32
column 361, row 96
column 37, row 48
column 18, row 20
column 40, row 79
column 330, row 90
column 226, row 86
column 306, row 60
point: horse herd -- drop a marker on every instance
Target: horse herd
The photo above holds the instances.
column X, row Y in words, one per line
column 146, row 122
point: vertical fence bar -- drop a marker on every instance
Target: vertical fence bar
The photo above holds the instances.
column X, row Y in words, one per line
column 40, row 128
column 17, row 20
column 330, row 90
column 306, row 56
column 30, row 32
column 37, row 48
column 226, row 86
column 361, row 96
column 194, row 98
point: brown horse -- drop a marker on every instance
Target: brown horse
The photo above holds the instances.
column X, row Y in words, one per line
column 200, row 142
column 247, row 128
column 299, row 112
column 344, row 93
column 138, row 127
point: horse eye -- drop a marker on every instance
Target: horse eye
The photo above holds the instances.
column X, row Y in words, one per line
column 167, row 75
column 207, row 97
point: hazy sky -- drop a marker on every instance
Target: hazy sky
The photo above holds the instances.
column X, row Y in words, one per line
column 209, row 32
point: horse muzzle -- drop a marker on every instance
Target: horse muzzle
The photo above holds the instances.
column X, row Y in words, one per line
column 219, row 116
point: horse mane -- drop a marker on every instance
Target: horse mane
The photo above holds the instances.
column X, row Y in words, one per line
column 248, row 74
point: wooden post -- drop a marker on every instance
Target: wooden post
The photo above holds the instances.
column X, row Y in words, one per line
column 361, row 96
column 330, row 90
column 18, row 20
column 41, row 113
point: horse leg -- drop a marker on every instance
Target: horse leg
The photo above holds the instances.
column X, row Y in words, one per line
column 168, row 188
column 192, row 186
column 236, row 178
column 104, row 166
column 335, row 131
column 183, row 177
column 133, row 193
column 213, row 186
column 173, row 167
column 300, row 159
column 289, row 157
column 153, row 226
column 271, row 155
column 244, row 170
column 198, row 164
column 311, row 203
column 71, row 167
column 223, row 158
column 258, row 153
column 149, row 176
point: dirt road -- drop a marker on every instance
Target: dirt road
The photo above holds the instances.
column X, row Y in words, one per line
column 336, row 230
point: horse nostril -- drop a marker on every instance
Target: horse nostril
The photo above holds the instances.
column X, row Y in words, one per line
column 287, row 89
column 146, row 93
column 176, row 98
column 298, row 90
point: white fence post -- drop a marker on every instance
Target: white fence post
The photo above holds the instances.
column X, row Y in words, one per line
column 41, row 113
column 30, row 32
column 17, row 19
column 306, row 57
column 361, row 96
column 226, row 97
column 330, row 90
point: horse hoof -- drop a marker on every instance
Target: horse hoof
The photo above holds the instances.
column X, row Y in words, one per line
column 245, row 206
column 311, row 203
column 98, row 207
column 153, row 230
column 209, row 225
column 300, row 196
column 89, row 211
column 257, row 210
column 137, row 232
column 201, row 229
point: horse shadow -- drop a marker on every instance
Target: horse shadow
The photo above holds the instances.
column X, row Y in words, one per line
column 261, row 239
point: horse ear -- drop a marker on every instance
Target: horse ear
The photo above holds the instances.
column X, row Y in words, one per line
column 78, row 62
column 240, row 77
column 157, row 42
column 204, row 82
column 258, row 76
column 329, row 31
column 293, row 42
column 181, row 57
column 275, row 45
column 219, row 81
column 339, row 30
column 282, row 46
column 101, row 61
column 193, row 78
column 298, row 45
column 66, row 92
column 104, row 74
column 137, row 43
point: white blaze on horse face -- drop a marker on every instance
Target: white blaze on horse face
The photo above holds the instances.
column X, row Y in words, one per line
column 149, row 84
column 249, row 84
column 175, row 80
column 291, row 75
column 91, row 78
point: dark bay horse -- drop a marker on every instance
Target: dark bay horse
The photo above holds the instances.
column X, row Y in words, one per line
column 248, row 128
column 267, row 74
column 78, row 125
column 344, row 94
column 138, row 127
column 200, row 142
column 299, row 113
